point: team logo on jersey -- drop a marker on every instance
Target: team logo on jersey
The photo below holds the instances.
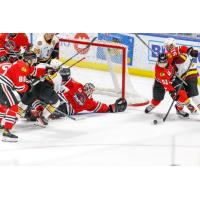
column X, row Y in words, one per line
column 168, row 55
column 23, row 69
column 80, row 99
column 162, row 73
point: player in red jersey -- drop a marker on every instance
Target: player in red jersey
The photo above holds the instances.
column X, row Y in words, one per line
column 180, row 57
column 78, row 98
column 11, row 44
column 13, row 79
column 166, row 81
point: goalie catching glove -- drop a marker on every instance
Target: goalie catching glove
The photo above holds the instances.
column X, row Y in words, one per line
column 119, row 105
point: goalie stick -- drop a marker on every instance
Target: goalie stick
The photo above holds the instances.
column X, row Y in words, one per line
column 70, row 116
column 65, row 114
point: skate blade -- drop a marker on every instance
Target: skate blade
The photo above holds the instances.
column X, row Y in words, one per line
column 182, row 117
column 40, row 125
column 7, row 139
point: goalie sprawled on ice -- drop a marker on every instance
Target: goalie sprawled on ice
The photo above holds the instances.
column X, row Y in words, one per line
column 75, row 98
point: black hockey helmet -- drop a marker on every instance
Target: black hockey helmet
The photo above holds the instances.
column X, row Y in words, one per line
column 11, row 35
column 162, row 60
column 30, row 57
column 65, row 72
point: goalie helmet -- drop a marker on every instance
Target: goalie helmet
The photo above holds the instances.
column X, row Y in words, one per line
column 169, row 43
column 89, row 88
column 29, row 57
column 162, row 60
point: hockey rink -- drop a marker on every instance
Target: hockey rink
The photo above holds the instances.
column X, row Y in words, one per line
column 127, row 138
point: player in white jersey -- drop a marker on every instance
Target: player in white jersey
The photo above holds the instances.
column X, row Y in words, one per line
column 46, row 47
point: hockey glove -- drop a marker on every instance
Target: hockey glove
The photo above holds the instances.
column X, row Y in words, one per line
column 193, row 53
column 174, row 95
column 119, row 105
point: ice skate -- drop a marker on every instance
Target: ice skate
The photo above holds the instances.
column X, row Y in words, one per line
column 9, row 137
column 180, row 112
column 41, row 121
column 192, row 109
column 149, row 108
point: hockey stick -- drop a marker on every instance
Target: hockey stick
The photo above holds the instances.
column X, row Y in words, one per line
column 155, row 54
column 44, row 77
column 65, row 114
column 144, row 42
column 76, row 63
column 88, row 46
column 180, row 86
column 69, row 116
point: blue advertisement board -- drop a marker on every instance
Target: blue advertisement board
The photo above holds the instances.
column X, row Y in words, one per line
column 118, row 38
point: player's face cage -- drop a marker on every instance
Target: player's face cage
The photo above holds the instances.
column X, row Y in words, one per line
column 89, row 88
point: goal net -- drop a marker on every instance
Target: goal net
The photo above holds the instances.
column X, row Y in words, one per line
column 104, row 65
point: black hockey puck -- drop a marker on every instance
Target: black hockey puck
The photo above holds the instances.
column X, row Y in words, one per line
column 155, row 122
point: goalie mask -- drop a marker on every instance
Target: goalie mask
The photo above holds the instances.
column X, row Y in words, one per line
column 162, row 60
column 29, row 57
column 89, row 88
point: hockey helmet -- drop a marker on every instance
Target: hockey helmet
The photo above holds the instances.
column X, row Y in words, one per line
column 55, row 64
column 89, row 88
column 29, row 57
column 169, row 43
column 162, row 60
column 11, row 35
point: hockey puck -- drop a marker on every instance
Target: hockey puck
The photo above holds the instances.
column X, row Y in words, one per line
column 155, row 122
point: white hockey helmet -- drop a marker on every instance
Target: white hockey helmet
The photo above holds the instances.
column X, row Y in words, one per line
column 54, row 64
column 169, row 42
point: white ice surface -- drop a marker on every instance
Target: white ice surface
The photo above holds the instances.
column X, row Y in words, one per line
column 127, row 138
